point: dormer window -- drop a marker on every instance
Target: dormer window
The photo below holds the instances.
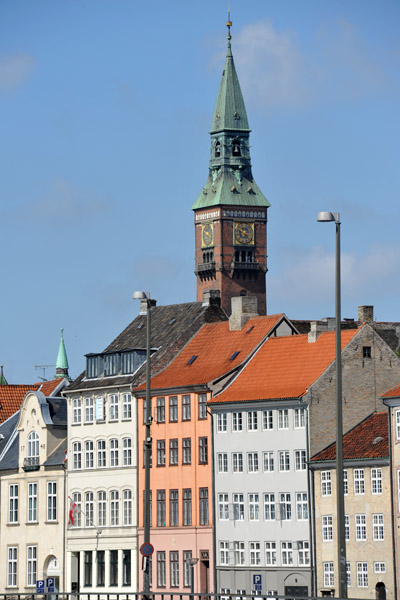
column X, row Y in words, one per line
column 236, row 148
column 217, row 149
column 110, row 364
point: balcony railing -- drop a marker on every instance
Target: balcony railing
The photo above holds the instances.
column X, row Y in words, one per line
column 31, row 463
column 204, row 267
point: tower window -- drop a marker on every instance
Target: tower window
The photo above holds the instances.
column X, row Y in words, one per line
column 217, row 149
column 236, row 148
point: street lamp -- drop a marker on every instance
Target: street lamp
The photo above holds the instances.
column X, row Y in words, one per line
column 326, row 217
column 147, row 442
column 192, row 562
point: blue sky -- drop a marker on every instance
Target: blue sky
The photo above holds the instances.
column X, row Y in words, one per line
column 105, row 111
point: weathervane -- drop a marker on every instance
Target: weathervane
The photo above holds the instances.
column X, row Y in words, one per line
column 229, row 22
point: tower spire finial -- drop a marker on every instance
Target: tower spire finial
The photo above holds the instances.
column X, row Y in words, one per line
column 229, row 23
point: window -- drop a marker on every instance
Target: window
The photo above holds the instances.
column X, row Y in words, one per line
column 32, row 565
column 186, row 451
column 222, row 459
column 161, row 508
column 203, row 451
column 33, row 445
column 237, row 462
column 255, row 553
column 254, row 507
column 126, row 406
column 89, row 409
column 127, row 448
column 359, row 485
column 303, row 548
column 76, row 411
column 160, row 453
column 362, row 574
column 270, row 553
column 127, row 507
column 366, row 351
column 301, row 506
column 173, row 508
column 238, row 548
column 224, row 553
column 238, row 507
column 174, row 568
column 286, row 507
column 348, row 574
column 114, row 453
column 346, row 528
column 283, row 418
column 252, row 462
column 127, row 567
column 221, row 422
column 269, row 506
column 203, row 493
column 77, row 455
column 326, row 483
column 202, row 406
column 287, row 553
column 237, row 421
column 101, row 454
column 52, row 501
column 32, row 502
column 13, row 503
column 77, row 500
column 12, row 566
column 329, row 577
column 345, row 483
column 186, row 408
column 89, row 509
column 398, row 424
column 223, row 507
column 173, row 452
column 113, row 407
column 113, row 567
column 268, row 461
column 101, row 508
column 268, row 420
column 173, row 409
column 161, row 570
column 377, row 527
column 187, row 561
column 361, row 528
column 114, row 507
column 327, row 528
column 88, row 568
column 300, row 460
column 160, row 410
column 380, row 567
column 252, row 420
column 284, row 460
column 299, row 418
column 376, row 481
column 89, row 455
column 187, row 507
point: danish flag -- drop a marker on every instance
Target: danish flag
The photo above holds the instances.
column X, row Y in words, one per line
column 73, row 510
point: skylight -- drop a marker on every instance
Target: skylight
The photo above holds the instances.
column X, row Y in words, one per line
column 171, row 322
column 191, row 360
column 250, row 328
column 234, row 355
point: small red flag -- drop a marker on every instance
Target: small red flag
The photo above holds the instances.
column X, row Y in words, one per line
column 73, row 509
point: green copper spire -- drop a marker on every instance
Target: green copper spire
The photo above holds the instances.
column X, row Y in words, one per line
column 62, row 360
column 230, row 180
column 3, row 380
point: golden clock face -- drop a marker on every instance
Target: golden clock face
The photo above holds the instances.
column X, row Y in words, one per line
column 207, row 234
column 244, row 233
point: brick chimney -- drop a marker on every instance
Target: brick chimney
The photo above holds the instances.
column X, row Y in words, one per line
column 243, row 308
column 212, row 298
column 366, row 313
column 317, row 327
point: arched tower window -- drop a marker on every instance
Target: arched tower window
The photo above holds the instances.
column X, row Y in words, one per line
column 236, row 148
column 33, row 445
column 217, row 149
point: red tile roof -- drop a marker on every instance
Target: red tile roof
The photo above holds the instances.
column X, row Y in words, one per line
column 394, row 392
column 368, row 439
column 213, row 346
column 11, row 397
column 284, row 367
column 49, row 387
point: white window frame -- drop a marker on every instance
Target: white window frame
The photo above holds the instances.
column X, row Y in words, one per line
column 286, row 506
column 270, row 553
column 222, row 459
column 362, row 574
column 268, row 461
column 223, row 507
column 397, row 424
column 13, row 503
column 269, row 506
column 326, row 483
column 127, row 507
column 222, row 422
column 32, row 501
column 89, row 454
column 283, row 418
column 300, row 460
column 114, row 508
column 284, row 460
column 31, row 566
column 127, row 451
column 252, row 420
column 89, row 509
column 268, row 420
column 379, row 567
column 33, row 445
column 252, row 462
column 89, row 409
column 345, row 482
column 12, row 566
column 286, row 554
column 303, row 553
column 223, row 553
column 52, row 501
column 238, row 548
column 237, row 462
column 254, row 507
column 378, row 527
column 376, row 481
column 238, row 507
column 302, row 506
column 113, row 414
column 329, row 574
column 77, row 456
column 126, row 406
column 347, row 528
column 299, row 418
column 114, row 452
column 359, row 482
column 255, row 554
column 101, row 508
column 237, row 421
column 76, row 411
column 101, row 454
column 361, row 527
column 327, row 528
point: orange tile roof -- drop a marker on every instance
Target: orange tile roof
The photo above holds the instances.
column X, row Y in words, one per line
column 11, row 397
column 284, row 367
column 368, row 439
column 213, row 345
column 394, row 392
column 48, row 387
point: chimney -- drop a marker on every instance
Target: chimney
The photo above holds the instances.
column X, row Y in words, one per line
column 366, row 313
column 212, row 298
column 317, row 327
column 143, row 306
column 243, row 308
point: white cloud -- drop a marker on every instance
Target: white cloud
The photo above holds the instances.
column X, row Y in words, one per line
column 15, row 69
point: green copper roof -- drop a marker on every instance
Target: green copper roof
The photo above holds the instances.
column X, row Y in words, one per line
column 227, row 190
column 230, row 112
column 3, row 380
column 62, row 360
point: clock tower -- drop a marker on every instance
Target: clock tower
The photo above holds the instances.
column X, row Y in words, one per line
column 230, row 214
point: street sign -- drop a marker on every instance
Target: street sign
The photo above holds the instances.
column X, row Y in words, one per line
column 257, row 582
column 146, row 549
column 50, row 585
column 40, row 586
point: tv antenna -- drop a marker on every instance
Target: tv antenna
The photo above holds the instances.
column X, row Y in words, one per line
column 44, row 367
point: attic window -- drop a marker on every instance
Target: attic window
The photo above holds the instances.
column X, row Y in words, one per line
column 139, row 326
column 366, row 351
column 171, row 322
column 377, row 440
column 191, row 360
column 250, row 328
column 234, row 355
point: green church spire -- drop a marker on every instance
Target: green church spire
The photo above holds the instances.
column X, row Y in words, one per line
column 3, row 380
column 230, row 180
column 62, row 360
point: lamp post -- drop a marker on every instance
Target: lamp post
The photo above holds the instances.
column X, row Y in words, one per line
column 192, row 562
column 324, row 217
column 147, row 442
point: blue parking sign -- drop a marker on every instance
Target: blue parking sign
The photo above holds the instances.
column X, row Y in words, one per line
column 40, row 586
column 257, row 582
column 50, row 585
